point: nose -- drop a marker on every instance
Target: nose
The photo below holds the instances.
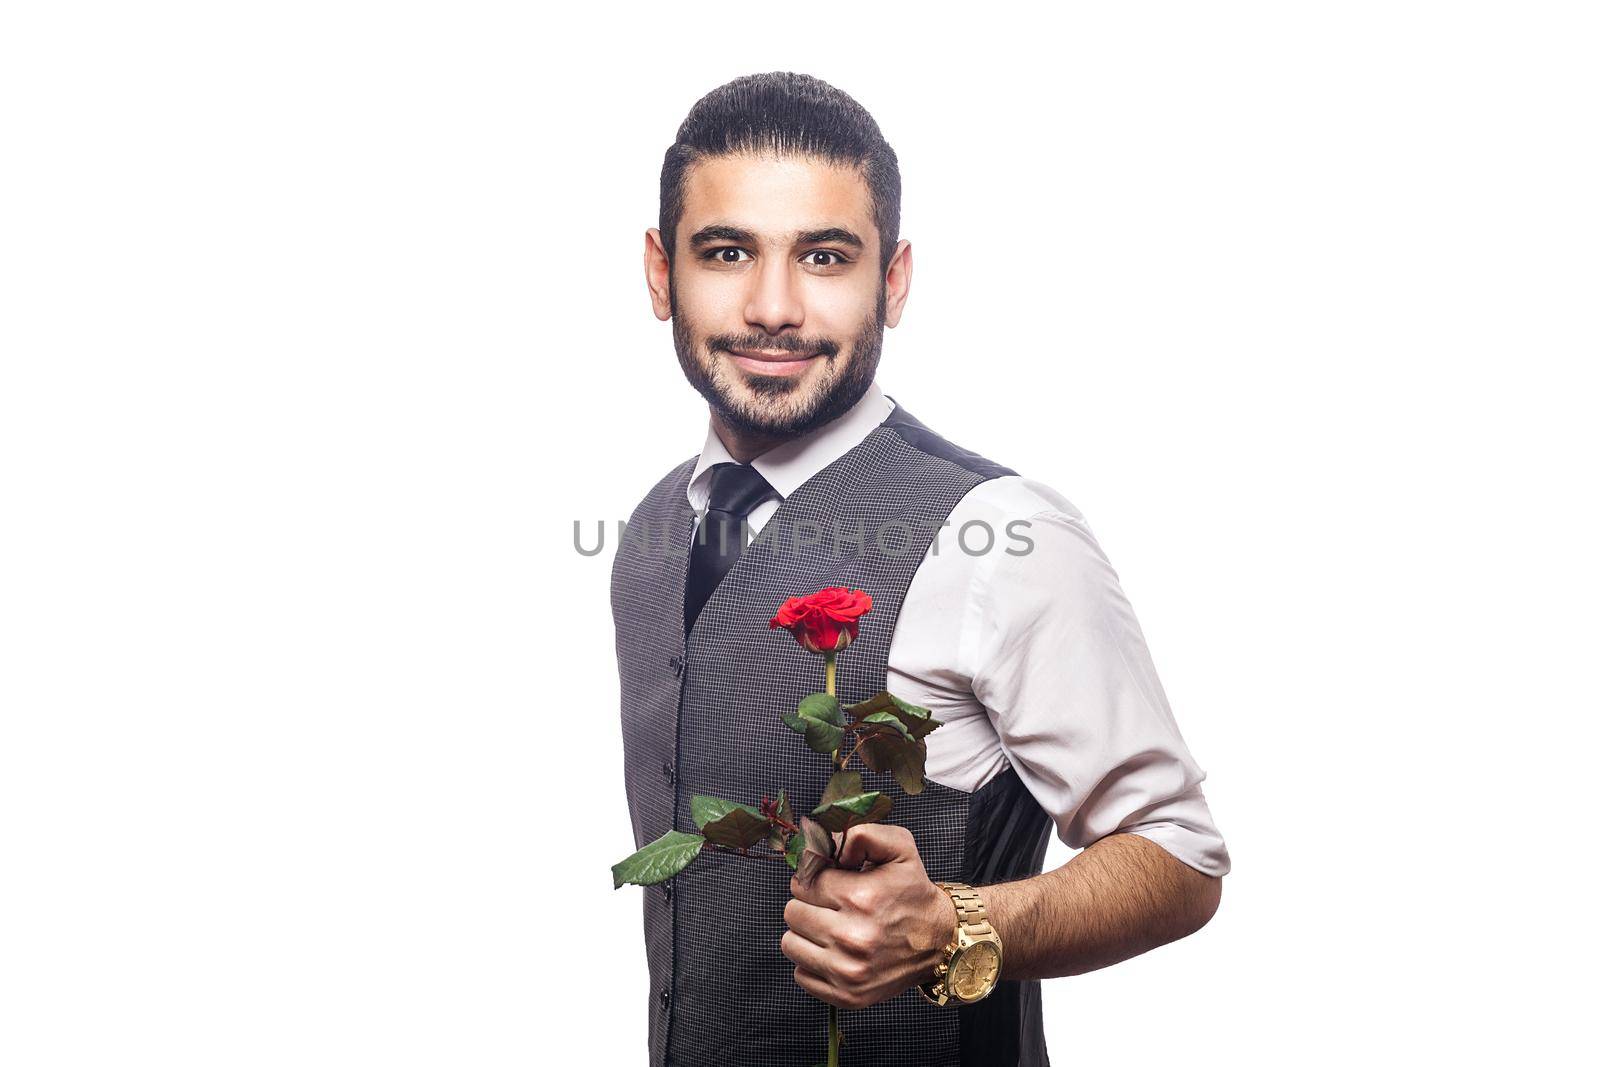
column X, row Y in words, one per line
column 774, row 301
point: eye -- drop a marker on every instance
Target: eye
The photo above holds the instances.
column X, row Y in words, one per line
column 726, row 254
column 835, row 259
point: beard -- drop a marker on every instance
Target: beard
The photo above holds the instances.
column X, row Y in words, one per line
column 782, row 406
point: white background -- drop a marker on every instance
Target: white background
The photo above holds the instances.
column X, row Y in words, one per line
column 322, row 322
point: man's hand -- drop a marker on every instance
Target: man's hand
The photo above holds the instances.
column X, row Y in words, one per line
column 859, row 937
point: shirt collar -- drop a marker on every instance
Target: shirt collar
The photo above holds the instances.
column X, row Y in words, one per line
column 788, row 466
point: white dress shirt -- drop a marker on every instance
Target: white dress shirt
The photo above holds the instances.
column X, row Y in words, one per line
column 1032, row 659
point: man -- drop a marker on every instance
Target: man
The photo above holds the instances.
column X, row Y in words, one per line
column 779, row 264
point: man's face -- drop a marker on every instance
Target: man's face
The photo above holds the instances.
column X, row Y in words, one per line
column 776, row 295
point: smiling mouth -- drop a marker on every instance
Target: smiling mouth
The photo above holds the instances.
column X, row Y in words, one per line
column 770, row 355
column 763, row 361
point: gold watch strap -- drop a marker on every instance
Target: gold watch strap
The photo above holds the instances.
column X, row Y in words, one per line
column 972, row 917
column 970, row 912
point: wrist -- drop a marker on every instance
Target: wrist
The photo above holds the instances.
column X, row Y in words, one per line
column 973, row 960
column 936, row 931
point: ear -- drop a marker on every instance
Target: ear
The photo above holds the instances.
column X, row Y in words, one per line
column 657, row 271
column 897, row 283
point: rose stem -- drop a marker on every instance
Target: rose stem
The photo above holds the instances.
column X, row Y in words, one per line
column 828, row 675
column 864, row 739
column 752, row 855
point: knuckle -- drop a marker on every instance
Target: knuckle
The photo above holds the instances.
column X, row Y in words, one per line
column 858, row 940
column 854, row 972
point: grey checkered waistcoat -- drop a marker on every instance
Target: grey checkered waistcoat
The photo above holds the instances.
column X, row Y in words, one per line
column 700, row 714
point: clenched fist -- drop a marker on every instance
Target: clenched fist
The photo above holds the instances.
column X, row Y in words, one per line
column 859, row 937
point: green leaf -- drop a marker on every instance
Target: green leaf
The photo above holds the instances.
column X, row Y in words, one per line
column 919, row 722
column 708, row 809
column 904, row 759
column 737, row 829
column 853, row 811
column 820, row 719
column 889, row 720
column 823, row 706
column 797, row 845
column 816, row 853
column 659, row 860
column 785, row 811
column 728, row 823
column 822, row 737
column 811, row 864
column 818, row 839
column 842, row 784
column 880, row 701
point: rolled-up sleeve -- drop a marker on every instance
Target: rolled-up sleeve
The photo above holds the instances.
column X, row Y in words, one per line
column 1060, row 663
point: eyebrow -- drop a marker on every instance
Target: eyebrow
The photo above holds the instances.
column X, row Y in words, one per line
column 831, row 235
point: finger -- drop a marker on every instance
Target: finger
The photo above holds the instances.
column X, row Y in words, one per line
column 829, row 887
column 878, row 842
column 810, row 921
column 811, row 891
column 805, row 953
column 816, row 985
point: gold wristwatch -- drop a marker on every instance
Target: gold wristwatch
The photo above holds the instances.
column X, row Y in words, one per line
column 971, row 966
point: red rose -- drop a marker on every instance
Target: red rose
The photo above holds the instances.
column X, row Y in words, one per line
column 824, row 621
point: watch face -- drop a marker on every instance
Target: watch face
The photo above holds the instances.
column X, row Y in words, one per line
column 974, row 970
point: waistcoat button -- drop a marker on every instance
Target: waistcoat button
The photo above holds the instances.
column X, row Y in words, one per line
column 668, row 771
column 666, row 995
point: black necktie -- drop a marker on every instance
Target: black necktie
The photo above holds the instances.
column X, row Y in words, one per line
column 737, row 489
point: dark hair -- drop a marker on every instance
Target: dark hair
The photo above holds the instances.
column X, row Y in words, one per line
column 785, row 113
